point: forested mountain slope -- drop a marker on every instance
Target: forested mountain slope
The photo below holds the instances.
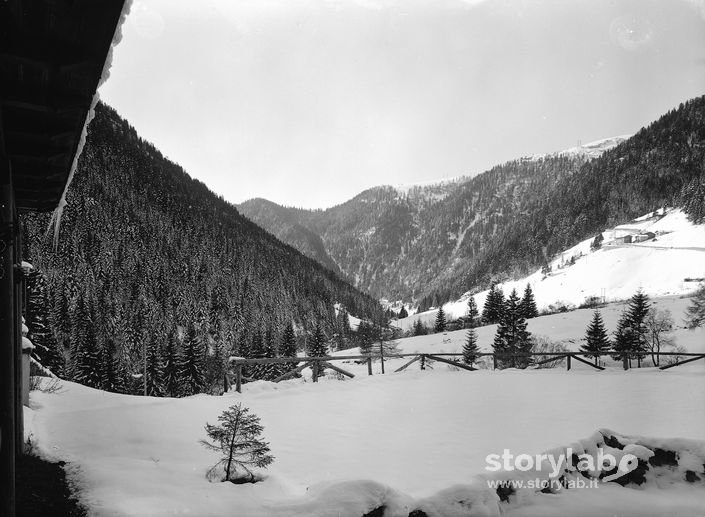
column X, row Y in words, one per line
column 399, row 243
column 146, row 253
column 430, row 244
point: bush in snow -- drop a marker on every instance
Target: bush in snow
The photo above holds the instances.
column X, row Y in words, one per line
column 237, row 438
column 543, row 344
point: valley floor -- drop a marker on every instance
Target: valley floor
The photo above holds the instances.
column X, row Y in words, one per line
column 347, row 447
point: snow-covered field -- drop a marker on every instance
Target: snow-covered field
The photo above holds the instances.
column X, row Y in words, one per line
column 661, row 267
column 415, row 439
column 346, row 447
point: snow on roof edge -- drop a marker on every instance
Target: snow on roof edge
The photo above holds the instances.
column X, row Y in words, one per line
column 105, row 74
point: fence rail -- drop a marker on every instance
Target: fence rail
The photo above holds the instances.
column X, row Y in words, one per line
column 315, row 363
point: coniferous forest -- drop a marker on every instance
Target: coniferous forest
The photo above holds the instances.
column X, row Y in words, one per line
column 154, row 273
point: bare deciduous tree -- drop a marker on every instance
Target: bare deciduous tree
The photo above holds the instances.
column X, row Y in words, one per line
column 659, row 324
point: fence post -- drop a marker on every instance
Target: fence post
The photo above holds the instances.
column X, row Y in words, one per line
column 568, row 361
column 625, row 362
column 423, row 362
column 314, row 370
column 369, row 366
column 238, row 378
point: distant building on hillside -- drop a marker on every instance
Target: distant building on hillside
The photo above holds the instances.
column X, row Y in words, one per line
column 624, row 239
column 644, row 236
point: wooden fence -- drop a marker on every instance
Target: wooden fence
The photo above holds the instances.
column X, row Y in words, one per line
column 316, row 363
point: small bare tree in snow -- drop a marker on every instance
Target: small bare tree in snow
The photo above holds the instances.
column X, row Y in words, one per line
column 659, row 325
column 238, row 439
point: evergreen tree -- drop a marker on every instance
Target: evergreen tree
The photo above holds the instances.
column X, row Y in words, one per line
column 271, row 371
column 631, row 334
column 318, row 347
column 112, row 375
column 440, row 325
column 597, row 342
column 237, row 438
column 288, row 345
column 191, row 363
column 471, row 318
column 365, row 337
column 154, row 371
column 47, row 351
column 597, row 242
column 403, row 313
column 288, row 348
column 257, row 351
column 87, row 361
column 419, row 328
column 494, row 305
column 170, row 375
column 470, row 348
column 695, row 313
column 528, row 304
column 512, row 336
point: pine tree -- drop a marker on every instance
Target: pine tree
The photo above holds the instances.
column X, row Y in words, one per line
column 365, row 337
column 257, row 351
column 402, row 313
column 170, row 375
column 112, row 374
column 271, row 371
column 512, row 336
column 695, row 313
column 623, row 340
column 631, row 335
column 638, row 311
column 288, row 345
column 87, row 360
column 472, row 314
column 440, row 325
column 191, row 363
column 154, row 371
column 287, row 348
column 47, row 350
column 318, row 347
column 237, row 438
column 528, row 304
column 470, row 348
column 419, row 328
column 597, row 342
column 494, row 306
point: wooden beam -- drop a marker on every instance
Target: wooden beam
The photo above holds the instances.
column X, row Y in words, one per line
column 407, row 364
column 339, row 370
column 453, row 363
column 577, row 358
column 678, row 363
column 290, row 373
column 8, row 347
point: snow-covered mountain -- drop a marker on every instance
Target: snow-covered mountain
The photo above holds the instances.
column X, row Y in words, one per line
column 429, row 243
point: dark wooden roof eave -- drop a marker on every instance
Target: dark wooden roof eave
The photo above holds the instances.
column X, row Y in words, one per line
column 52, row 55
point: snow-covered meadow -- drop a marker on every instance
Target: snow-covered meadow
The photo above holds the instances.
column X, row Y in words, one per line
column 347, row 447
column 409, row 440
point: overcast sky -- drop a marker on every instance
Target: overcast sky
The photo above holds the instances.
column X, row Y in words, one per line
column 307, row 103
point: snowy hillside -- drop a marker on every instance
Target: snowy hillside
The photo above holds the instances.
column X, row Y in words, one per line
column 668, row 262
